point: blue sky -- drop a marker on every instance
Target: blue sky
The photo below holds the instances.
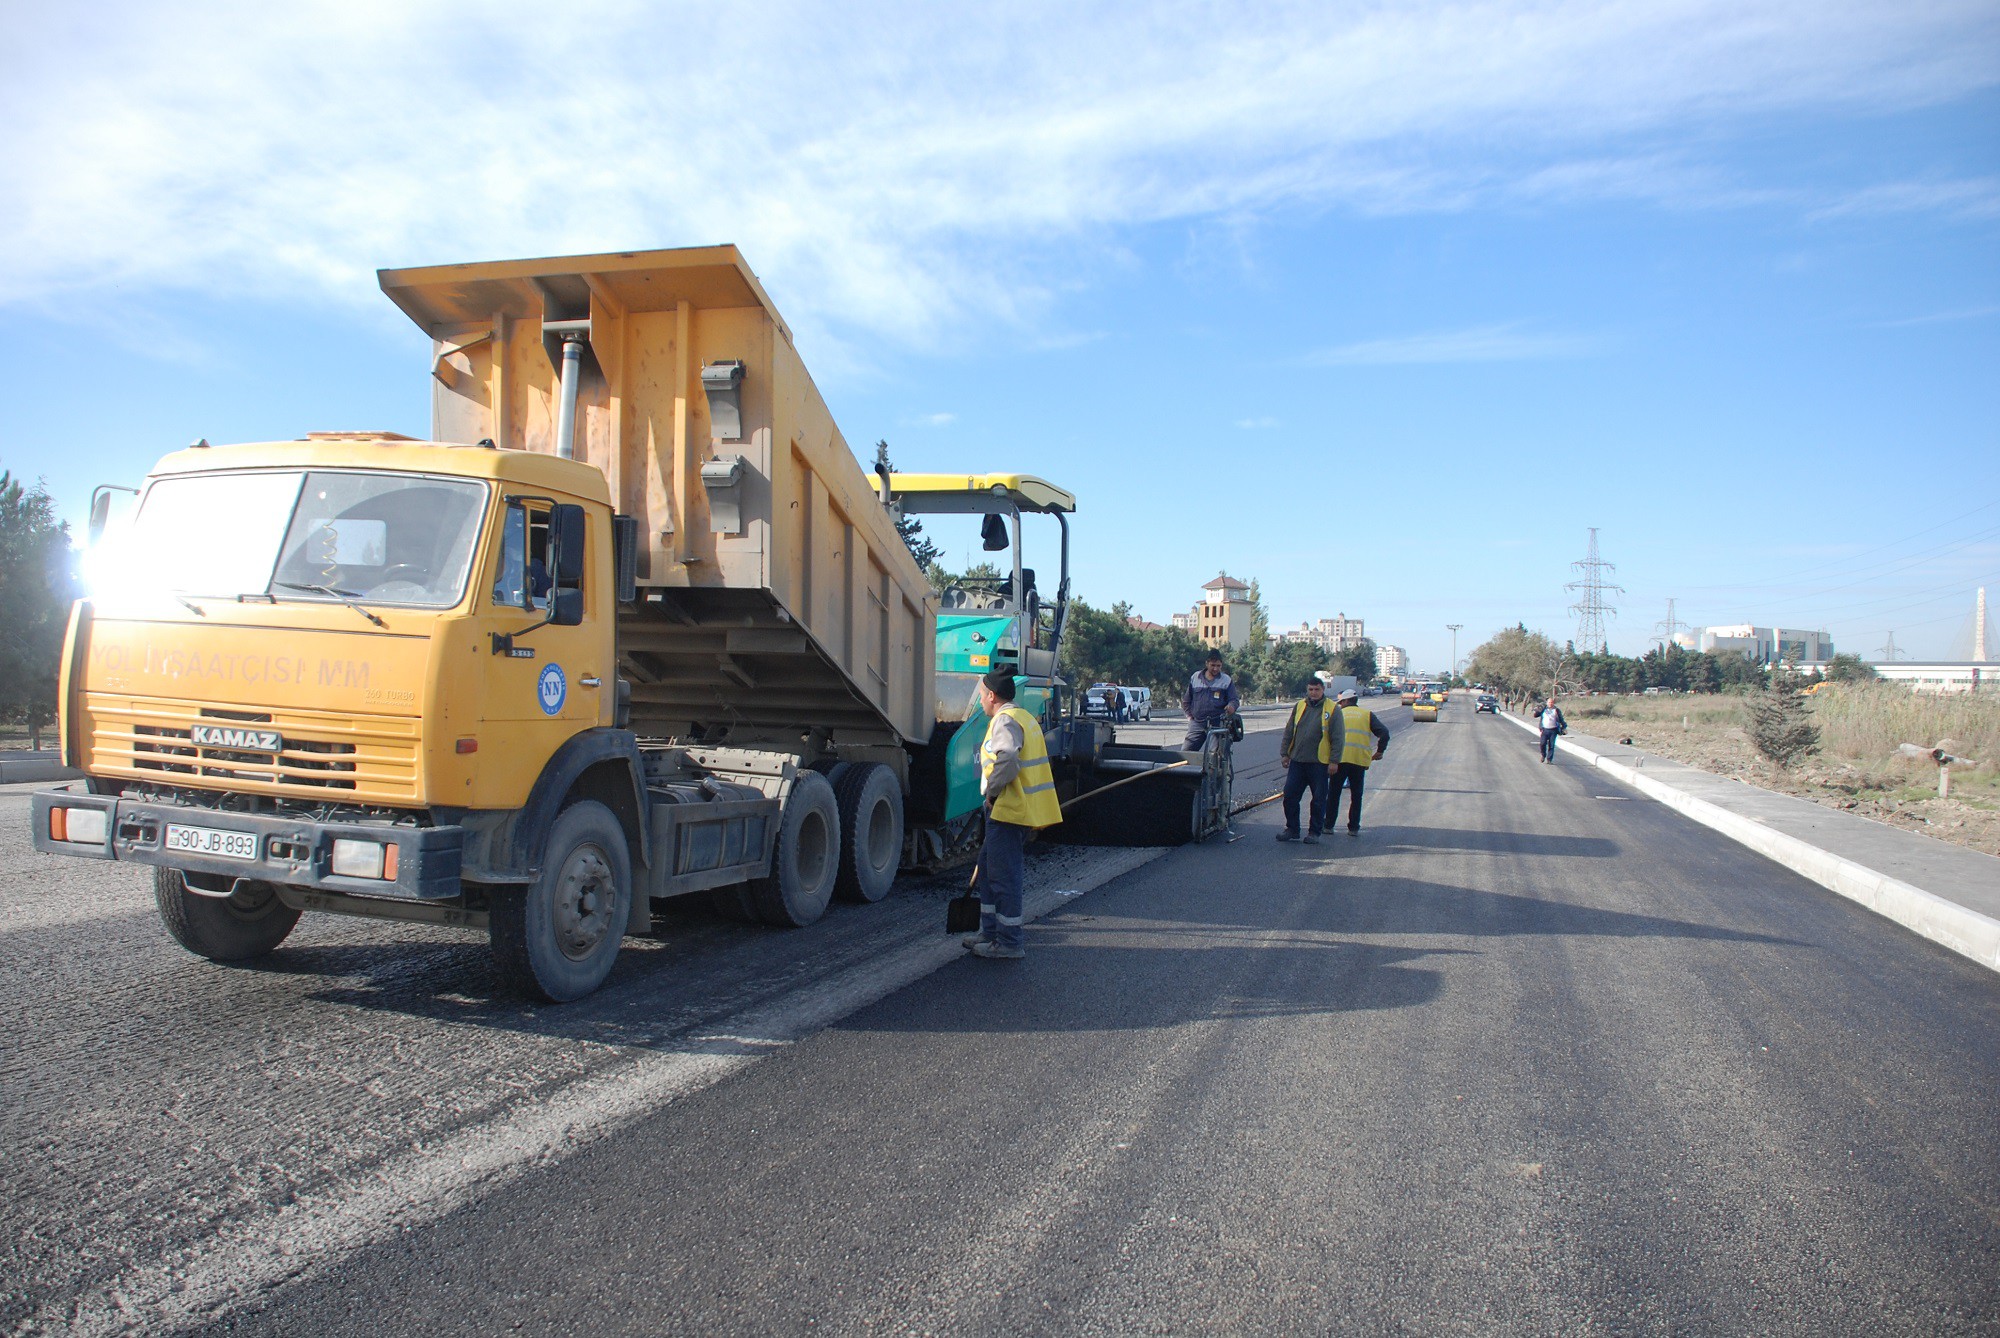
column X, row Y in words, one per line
column 1380, row 304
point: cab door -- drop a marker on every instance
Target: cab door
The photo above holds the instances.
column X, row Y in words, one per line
column 546, row 641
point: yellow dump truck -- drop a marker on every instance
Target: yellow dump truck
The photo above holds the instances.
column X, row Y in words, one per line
column 634, row 624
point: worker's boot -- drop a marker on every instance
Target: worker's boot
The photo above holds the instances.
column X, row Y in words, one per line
column 995, row 949
column 972, row 941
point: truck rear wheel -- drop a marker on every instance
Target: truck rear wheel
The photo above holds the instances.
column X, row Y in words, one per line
column 247, row 923
column 871, row 831
column 557, row 938
column 807, row 858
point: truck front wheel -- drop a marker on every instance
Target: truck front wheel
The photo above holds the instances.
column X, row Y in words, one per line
column 247, row 923
column 557, row 938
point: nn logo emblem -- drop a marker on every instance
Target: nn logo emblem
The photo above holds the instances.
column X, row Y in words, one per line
column 238, row 739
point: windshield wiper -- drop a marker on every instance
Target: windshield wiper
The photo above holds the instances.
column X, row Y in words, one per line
column 346, row 597
column 188, row 604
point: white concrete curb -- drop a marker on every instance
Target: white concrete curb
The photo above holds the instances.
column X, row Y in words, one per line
column 1963, row 930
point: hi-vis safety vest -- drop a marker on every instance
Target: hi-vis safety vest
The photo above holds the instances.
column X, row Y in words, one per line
column 1030, row 798
column 1358, row 747
column 1326, row 714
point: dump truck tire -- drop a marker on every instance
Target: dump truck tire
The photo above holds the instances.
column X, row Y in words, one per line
column 246, row 924
column 806, row 862
column 870, row 801
column 557, row 938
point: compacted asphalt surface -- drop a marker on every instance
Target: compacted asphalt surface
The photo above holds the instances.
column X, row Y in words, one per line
column 1533, row 1055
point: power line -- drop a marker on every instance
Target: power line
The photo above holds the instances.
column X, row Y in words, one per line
column 1591, row 610
column 1664, row 631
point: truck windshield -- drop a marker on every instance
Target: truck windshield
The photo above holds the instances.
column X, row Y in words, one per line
column 321, row 534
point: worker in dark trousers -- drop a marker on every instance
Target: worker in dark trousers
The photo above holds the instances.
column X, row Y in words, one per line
column 1361, row 739
column 1020, row 793
column 1553, row 726
column 1209, row 701
column 1306, row 753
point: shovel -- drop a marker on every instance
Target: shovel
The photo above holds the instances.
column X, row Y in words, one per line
column 961, row 913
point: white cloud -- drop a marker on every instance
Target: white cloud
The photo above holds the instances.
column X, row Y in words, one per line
column 934, row 420
column 1256, row 424
column 1485, row 343
column 1940, row 318
column 890, row 168
column 1970, row 198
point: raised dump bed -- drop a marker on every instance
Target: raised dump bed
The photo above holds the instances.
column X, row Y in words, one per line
column 777, row 602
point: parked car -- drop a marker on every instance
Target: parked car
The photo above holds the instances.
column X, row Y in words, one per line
column 1106, row 700
column 1138, row 703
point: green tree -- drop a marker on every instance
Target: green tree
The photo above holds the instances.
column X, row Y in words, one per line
column 1849, row 669
column 1520, row 664
column 1781, row 724
column 37, row 585
column 1358, row 660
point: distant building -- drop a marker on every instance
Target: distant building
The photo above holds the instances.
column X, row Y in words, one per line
column 1339, row 633
column 1332, row 635
column 1138, row 624
column 1941, row 675
column 1760, row 645
column 1186, row 622
column 1392, row 660
column 1223, row 617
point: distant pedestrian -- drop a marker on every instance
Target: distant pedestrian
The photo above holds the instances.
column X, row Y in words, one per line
column 1020, row 794
column 1209, row 702
column 1306, row 755
column 1553, row 725
column 1361, row 739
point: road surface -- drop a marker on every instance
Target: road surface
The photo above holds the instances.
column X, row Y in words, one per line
column 1533, row 1055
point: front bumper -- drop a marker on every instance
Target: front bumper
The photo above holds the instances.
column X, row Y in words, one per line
column 296, row 852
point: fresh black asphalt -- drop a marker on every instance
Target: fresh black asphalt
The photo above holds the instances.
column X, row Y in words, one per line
column 1533, row 1056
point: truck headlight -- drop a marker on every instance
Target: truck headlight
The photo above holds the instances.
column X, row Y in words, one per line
column 364, row 859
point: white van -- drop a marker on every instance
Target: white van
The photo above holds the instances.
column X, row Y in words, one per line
column 1138, row 703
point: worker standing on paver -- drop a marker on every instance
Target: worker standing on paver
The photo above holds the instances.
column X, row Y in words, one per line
column 1552, row 724
column 1306, row 753
column 1020, row 794
column 1209, row 702
column 1361, row 739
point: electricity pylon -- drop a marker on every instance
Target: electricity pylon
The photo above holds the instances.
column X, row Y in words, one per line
column 1591, row 610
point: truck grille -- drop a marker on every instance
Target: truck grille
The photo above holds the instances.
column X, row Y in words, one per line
column 367, row 758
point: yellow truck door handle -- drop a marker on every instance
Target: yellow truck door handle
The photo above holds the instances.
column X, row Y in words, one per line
column 590, row 681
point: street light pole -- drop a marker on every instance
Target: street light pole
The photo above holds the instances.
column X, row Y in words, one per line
column 1454, row 645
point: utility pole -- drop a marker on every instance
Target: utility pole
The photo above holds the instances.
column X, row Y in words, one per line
column 1979, row 627
column 1591, row 610
column 1888, row 651
column 1454, row 641
column 1664, row 632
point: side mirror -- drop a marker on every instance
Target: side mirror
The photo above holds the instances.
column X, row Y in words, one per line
column 566, row 607
column 566, row 545
column 100, row 512
column 993, row 534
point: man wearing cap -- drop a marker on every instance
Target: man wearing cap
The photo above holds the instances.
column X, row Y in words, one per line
column 1361, row 739
column 1209, row 701
column 1020, row 794
column 1307, row 755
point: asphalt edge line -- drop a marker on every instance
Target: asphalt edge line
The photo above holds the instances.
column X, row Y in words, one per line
column 252, row 1258
column 1939, row 919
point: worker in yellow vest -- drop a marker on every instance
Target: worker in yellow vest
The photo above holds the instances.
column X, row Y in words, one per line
column 1361, row 739
column 1020, row 794
column 1306, row 750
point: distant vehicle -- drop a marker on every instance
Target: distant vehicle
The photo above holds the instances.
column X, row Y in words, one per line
column 1410, row 694
column 1486, row 702
column 1138, row 703
column 1425, row 709
column 1436, row 692
column 1107, row 700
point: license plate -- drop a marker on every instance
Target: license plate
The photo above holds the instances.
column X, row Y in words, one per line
column 211, row 841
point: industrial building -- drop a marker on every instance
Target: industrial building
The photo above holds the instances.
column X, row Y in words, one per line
column 1761, row 645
